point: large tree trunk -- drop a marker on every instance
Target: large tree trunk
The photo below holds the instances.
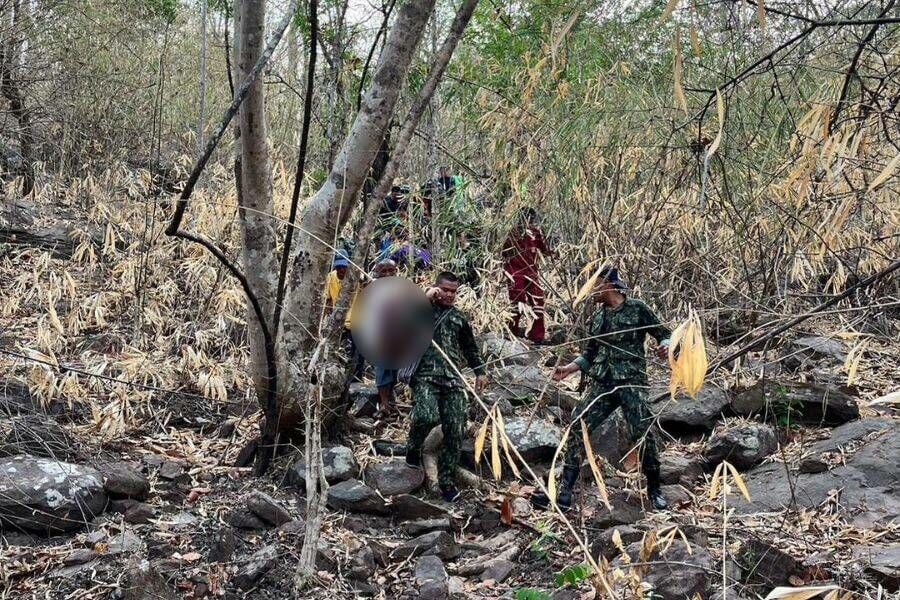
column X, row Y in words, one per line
column 255, row 193
column 330, row 208
column 10, row 68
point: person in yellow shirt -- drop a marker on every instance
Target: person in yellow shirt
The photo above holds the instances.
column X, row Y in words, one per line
column 333, row 284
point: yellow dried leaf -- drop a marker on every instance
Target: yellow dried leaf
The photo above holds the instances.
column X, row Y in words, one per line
column 505, row 441
column 799, row 593
column 720, row 109
column 695, row 41
column 738, row 480
column 687, row 357
column 716, row 481
column 51, row 314
column 496, row 467
column 480, row 439
column 587, row 288
column 885, row 173
column 595, row 469
column 551, row 478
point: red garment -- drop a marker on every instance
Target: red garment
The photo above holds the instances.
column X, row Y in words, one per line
column 521, row 255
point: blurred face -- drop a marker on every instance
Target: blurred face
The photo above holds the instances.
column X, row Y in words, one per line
column 341, row 272
column 447, row 294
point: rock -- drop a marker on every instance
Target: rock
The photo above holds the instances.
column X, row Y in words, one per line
column 243, row 518
column 743, row 446
column 677, row 495
column 437, row 543
column 171, row 470
column 122, row 481
column 395, row 477
column 677, row 468
column 293, row 527
column 253, row 570
column 222, row 547
column 484, row 521
column 625, row 511
column 363, row 399
column 182, row 521
column 812, row 464
column 881, row 563
column 456, row 586
column 139, row 512
column 603, row 544
column 868, row 479
column 143, row 582
column 407, row 506
column 536, row 441
column 421, row 526
column 80, row 556
column 226, row 429
column 267, row 508
column 677, row 575
column 521, row 384
column 497, row 570
column 809, row 404
column 764, row 565
column 388, row 448
column 45, row 495
column 686, row 415
column 355, row 496
column 362, row 564
column 37, row 436
column 807, row 351
column 338, row 462
column 612, row 440
column 507, row 352
column 431, row 578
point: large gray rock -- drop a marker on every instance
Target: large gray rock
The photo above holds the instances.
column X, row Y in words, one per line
column 881, row 563
column 507, row 352
column 744, row 446
column 338, row 463
column 363, row 399
column 679, row 574
column 407, row 506
column 677, row 468
column 807, row 351
column 267, row 508
column 395, row 477
column 612, row 440
column 431, row 578
column 522, row 384
column 764, row 565
column 689, row 415
column 122, row 481
column 437, row 543
column 253, row 569
column 786, row 402
column 868, row 479
column 45, row 495
column 355, row 496
column 38, row 436
column 536, row 440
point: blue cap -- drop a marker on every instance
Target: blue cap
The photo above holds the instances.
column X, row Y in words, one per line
column 611, row 274
column 340, row 260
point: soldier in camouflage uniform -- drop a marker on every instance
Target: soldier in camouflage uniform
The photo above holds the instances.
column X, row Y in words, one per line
column 439, row 396
column 613, row 361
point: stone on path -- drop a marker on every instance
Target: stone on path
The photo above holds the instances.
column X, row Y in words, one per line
column 438, row 543
column 536, row 441
column 522, row 384
column 764, row 565
column 46, row 495
column 602, row 543
column 497, row 570
column 677, row 575
column 421, row 526
column 744, row 446
column 881, row 563
column 395, row 477
column 143, row 582
column 363, row 399
column 689, row 415
column 612, row 440
column 808, row 351
column 355, row 496
column 797, row 402
column 508, row 352
column 253, row 569
column 267, row 508
column 122, row 481
column 37, row 436
column 338, row 462
column 677, row 468
column 431, row 578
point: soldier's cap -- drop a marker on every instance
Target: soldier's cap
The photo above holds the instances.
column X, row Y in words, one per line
column 610, row 274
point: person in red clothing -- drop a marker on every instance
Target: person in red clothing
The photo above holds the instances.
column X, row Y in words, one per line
column 520, row 255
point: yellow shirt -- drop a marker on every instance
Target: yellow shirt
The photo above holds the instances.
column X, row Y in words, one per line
column 333, row 290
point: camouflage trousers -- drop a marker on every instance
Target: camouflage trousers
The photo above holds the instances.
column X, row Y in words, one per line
column 633, row 401
column 435, row 404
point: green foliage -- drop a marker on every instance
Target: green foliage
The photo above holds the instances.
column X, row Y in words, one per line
column 530, row 594
column 540, row 546
column 573, row 575
column 165, row 9
column 785, row 408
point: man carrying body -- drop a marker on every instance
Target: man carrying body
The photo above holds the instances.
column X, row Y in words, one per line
column 438, row 392
column 613, row 361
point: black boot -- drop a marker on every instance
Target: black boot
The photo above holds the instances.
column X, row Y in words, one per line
column 564, row 496
column 414, row 458
column 654, row 493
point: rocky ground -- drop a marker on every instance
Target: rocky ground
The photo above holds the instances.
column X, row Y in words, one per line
column 162, row 514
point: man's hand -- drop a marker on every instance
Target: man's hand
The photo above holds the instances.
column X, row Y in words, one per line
column 481, row 382
column 560, row 373
column 432, row 293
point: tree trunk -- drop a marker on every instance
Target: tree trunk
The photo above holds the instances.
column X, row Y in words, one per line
column 337, row 107
column 201, row 116
column 330, row 208
column 10, row 66
column 255, row 185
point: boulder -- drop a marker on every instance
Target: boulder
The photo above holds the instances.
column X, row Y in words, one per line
column 744, row 446
column 171, row 470
column 431, row 578
column 679, row 574
column 764, row 565
column 868, row 479
column 612, row 440
column 507, row 352
column 805, row 352
column 602, row 544
column 267, row 508
column 881, row 563
column 686, row 415
column 407, row 506
column 142, row 581
column 138, row 513
column 395, row 477
column 677, row 495
column 363, row 399
column 355, row 496
column 522, row 384
column 362, row 564
column 678, row 468
column 338, row 462
column 625, row 511
column 243, row 518
column 785, row 402
column 45, row 495
column 497, row 570
column 255, row 567
column 36, row 435
column 421, row 526
column 437, row 543
column 122, row 481
column 536, row 441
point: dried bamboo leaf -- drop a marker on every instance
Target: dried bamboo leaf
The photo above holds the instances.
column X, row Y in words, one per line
column 716, row 481
column 796, row 593
column 738, row 480
column 885, row 173
column 595, row 469
column 504, row 440
column 720, row 110
column 496, row 467
column 551, row 478
column 480, row 438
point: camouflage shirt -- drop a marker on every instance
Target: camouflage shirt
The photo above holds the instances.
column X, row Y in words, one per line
column 615, row 350
column 454, row 336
